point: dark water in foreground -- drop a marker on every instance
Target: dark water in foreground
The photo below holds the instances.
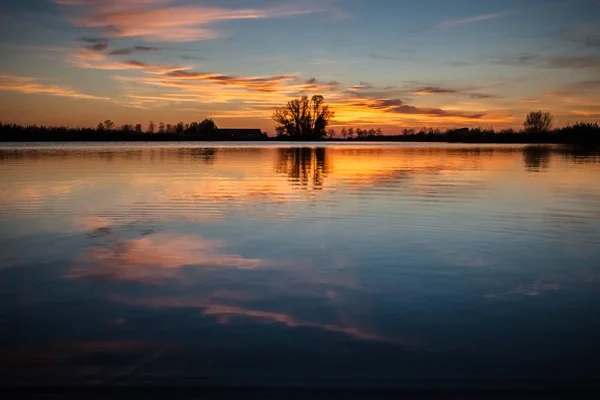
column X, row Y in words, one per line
column 352, row 265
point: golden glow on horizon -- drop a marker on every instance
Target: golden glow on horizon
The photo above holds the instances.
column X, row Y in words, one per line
column 107, row 69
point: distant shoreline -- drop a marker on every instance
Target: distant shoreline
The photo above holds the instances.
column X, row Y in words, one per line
column 534, row 141
column 578, row 134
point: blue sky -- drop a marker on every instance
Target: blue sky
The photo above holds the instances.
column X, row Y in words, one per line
column 379, row 63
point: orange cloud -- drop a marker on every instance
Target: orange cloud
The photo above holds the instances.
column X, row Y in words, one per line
column 154, row 20
column 86, row 58
column 261, row 83
column 29, row 85
column 257, row 96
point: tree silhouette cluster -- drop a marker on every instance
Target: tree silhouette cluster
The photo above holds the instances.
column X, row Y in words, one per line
column 584, row 133
column 307, row 119
column 303, row 118
column 108, row 131
column 359, row 133
column 207, row 127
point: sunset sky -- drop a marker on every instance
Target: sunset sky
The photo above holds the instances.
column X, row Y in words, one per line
column 380, row 63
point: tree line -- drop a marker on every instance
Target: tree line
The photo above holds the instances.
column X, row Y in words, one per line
column 109, row 131
column 207, row 127
column 307, row 119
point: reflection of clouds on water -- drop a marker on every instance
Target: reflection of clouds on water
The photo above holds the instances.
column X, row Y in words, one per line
column 154, row 257
column 87, row 360
column 535, row 289
column 466, row 259
column 176, row 184
column 228, row 286
column 226, row 314
column 8, row 261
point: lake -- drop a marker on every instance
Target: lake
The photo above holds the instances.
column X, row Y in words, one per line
column 317, row 264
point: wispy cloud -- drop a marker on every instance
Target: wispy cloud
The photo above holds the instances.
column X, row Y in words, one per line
column 96, row 47
column 433, row 90
column 587, row 34
column 586, row 61
column 260, row 83
column 256, row 96
column 85, row 58
column 30, row 85
column 437, row 90
column 93, row 39
column 557, row 61
column 160, row 21
column 131, row 50
column 398, row 106
column 469, row 20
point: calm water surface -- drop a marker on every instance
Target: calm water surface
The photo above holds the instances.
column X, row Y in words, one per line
column 268, row 264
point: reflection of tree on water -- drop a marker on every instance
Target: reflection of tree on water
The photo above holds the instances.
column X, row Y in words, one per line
column 207, row 155
column 536, row 158
column 304, row 165
column 204, row 154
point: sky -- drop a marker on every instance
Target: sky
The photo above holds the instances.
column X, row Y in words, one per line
column 389, row 64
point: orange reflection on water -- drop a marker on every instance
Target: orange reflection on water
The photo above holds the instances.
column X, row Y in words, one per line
column 205, row 184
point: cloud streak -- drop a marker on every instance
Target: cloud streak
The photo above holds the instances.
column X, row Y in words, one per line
column 469, row 20
column 433, row 90
column 398, row 106
column 159, row 21
column 30, row 85
column 436, row 90
column 131, row 50
column 552, row 62
column 257, row 96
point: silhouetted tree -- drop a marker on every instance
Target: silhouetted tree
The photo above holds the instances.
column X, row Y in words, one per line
column 161, row 127
column 344, row 133
column 109, row 125
column 538, row 121
column 100, row 127
column 331, row 133
column 179, row 128
column 151, row 127
column 304, row 118
column 207, row 126
column 138, row 129
column 580, row 133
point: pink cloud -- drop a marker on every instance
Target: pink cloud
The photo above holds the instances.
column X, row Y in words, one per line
column 155, row 20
